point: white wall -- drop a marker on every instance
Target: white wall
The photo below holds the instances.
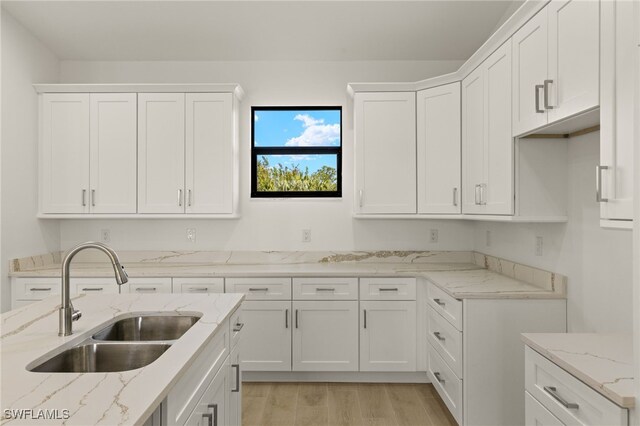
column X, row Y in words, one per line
column 597, row 261
column 269, row 224
column 24, row 61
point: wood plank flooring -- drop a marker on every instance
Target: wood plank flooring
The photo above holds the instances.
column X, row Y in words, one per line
column 343, row 404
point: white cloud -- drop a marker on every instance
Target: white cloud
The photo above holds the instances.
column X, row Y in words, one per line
column 315, row 133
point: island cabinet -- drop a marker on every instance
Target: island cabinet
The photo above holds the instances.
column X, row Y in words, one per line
column 556, row 57
column 475, row 358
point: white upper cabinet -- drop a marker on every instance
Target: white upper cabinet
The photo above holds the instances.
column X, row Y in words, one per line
column 161, row 139
column 438, row 149
column 113, row 153
column 556, row 64
column 64, row 153
column 88, row 162
column 487, row 145
column 385, row 152
column 615, row 172
column 209, row 153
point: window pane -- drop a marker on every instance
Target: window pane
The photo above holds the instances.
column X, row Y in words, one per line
column 301, row 127
column 297, row 172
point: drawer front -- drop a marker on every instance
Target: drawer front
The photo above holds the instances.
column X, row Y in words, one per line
column 535, row 414
column 147, row 285
column 35, row 288
column 260, row 288
column 387, row 289
column 445, row 339
column 325, row 289
column 235, row 327
column 94, row 286
column 553, row 387
column 445, row 305
column 444, row 380
column 198, row 285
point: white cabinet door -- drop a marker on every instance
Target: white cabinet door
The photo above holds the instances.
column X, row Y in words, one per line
column 438, row 150
column 536, row 415
column 325, row 336
column 617, row 109
column 529, row 74
column 209, row 153
column 64, row 153
column 385, row 151
column 473, row 152
column 234, row 410
column 574, row 57
column 266, row 340
column 161, row 152
column 113, row 163
column 388, row 336
column 212, row 407
column 147, row 285
column 497, row 194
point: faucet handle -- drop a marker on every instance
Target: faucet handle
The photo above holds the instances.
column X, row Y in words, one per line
column 76, row 315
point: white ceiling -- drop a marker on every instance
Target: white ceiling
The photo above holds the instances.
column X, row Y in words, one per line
column 261, row 30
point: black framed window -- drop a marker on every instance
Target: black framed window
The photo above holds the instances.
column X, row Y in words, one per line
column 296, row 151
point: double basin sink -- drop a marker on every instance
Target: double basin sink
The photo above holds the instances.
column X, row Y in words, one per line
column 123, row 345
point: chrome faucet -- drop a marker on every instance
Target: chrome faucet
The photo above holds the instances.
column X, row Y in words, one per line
column 67, row 314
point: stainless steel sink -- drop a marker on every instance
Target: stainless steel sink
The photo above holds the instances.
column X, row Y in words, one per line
column 102, row 358
column 147, row 328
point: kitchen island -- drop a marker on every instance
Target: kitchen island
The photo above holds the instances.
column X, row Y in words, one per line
column 30, row 334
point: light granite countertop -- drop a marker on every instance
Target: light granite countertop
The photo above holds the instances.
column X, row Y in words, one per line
column 463, row 275
column 602, row 361
column 127, row 397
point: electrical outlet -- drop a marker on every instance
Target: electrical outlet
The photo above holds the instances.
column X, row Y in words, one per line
column 539, row 243
column 306, row 235
column 488, row 239
column 105, row 235
column 433, row 236
column 191, row 235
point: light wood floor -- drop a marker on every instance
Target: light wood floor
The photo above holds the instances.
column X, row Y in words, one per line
column 349, row 404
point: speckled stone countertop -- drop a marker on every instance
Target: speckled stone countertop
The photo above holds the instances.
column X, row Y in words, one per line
column 460, row 274
column 602, row 361
column 127, row 397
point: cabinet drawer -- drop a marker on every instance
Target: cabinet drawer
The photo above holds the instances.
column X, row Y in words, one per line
column 535, row 414
column 548, row 383
column 235, row 327
column 198, row 285
column 444, row 380
column 147, row 285
column 445, row 305
column 387, row 288
column 445, row 339
column 325, row 289
column 188, row 390
column 260, row 288
column 35, row 288
column 94, row 286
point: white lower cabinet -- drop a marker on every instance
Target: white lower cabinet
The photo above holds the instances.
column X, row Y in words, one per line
column 234, row 391
column 147, row 285
column 211, row 410
column 266, row 344
column 446, row 383
column 388, row 336
column 325, row 336
column 536, row 414
column 198, row 285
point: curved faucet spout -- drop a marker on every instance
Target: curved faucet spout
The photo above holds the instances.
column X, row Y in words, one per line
column 67, row 314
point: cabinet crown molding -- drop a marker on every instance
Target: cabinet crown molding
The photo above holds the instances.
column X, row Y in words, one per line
column 234, row 88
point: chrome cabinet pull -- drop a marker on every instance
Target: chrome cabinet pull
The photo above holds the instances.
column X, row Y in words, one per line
column 93, row 197
column 439, row 336
column 546, row 94
column 455, row 197
column 40, row 289
column 146, row 288
column 296, row 318
column 258, row 289
column 179, row 197
column 209, row 418
column 238, row 326
column 477, row 195
column 325, row 289
column 360, row 194
column 215, row 413
column 599, row 197
column 438, row 378
column 483, row 200
column 93, row 289
column 388, row 289
column 537, row 95
column 551, row 390
column 365, row 318
column 286, row 318
column 189, row 198
column 237, row 367
column 439, row 302
column 84, row 197
column 198, row 289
